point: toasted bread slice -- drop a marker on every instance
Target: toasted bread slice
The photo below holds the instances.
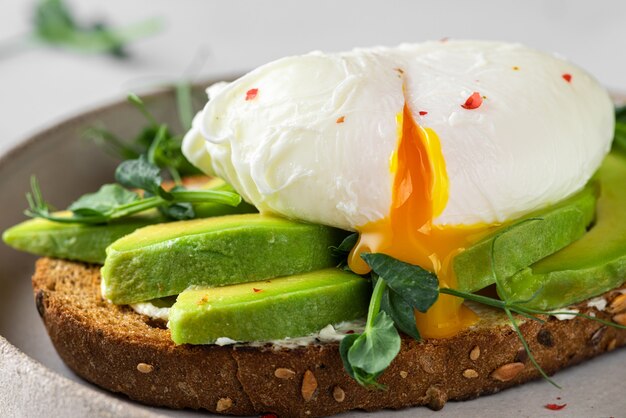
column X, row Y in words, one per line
column 122, row 351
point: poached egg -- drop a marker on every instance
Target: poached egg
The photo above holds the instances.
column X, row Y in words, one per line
column 423, row 148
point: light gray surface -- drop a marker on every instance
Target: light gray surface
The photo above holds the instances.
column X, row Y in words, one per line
column 40, row 86
column 31, row 391
column 67, row 166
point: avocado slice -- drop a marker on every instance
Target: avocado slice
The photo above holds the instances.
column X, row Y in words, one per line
column 73, row 241
column 88, row 242
column 165, row 259
column 272, row 309
column 522, row 243
column 594, row 264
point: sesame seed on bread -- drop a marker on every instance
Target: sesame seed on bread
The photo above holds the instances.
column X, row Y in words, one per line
column 120, row 350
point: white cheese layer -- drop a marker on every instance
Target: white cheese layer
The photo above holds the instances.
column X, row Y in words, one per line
column 311, row 137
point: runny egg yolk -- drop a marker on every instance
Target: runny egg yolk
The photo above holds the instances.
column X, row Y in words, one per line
column 420, row 194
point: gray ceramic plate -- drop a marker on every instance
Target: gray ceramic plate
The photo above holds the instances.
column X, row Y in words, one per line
column 34, row 381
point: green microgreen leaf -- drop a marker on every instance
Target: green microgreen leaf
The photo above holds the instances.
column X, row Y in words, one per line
column 111, row 143
column 367, row 355
column 374, row 350
column 344, row 347
column 37, row 206
column 104, row 200
column 401, row 312
column 418, row 287
column 342, row 251
column 141, row 174
column 55, row 25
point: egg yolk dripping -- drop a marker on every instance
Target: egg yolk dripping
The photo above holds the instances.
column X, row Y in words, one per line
column 420, row 194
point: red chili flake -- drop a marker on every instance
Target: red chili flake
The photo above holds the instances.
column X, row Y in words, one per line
column 473, row 102
column 270, row 415
column 558, row 398
column 350, row 331
column 251, row 94
column 257, row 290
column 423, row 113
column 567, row 77
column 341, row 119
column 555, row 407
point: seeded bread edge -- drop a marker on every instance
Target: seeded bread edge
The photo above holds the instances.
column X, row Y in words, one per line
column 122, row 351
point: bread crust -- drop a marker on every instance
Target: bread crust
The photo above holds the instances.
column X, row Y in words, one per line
column 122, row 351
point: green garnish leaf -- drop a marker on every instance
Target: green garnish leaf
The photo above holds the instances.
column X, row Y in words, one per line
column 344, row 347
column 55, row 25
column 418, row 287
column 372, row 352
column 111, row 143
column 343, row 249
column 367, row 355
column 141, row 174
column 178, row 211
column 401, row 312
column 155, row 140
column 103, row 201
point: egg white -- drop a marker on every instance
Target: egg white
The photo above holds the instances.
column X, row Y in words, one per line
column 535, row 140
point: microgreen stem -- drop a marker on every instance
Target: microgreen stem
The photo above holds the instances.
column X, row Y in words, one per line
column 140, row 105
column 473, row 297
column 527, row 348
column 374, row 307
column 156, row 143
column 185, row 105
column 200, row 196
column 181, row 196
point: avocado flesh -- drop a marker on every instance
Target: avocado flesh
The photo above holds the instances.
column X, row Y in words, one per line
column 594, row 264
column 165, row 259
column 525, row 242
column 73, row 241
column 267, row 310
column 88, row 242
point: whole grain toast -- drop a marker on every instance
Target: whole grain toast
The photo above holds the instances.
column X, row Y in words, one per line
column 122, row 351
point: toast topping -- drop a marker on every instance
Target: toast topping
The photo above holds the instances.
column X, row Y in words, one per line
column 507, row 372
column 283, row 373
column 309, row 386
column 620, row 319
column 338, row 394
column 223, row 404
column 618, row 304
column 475, row 353
column 470, row 374
column 145, row 368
